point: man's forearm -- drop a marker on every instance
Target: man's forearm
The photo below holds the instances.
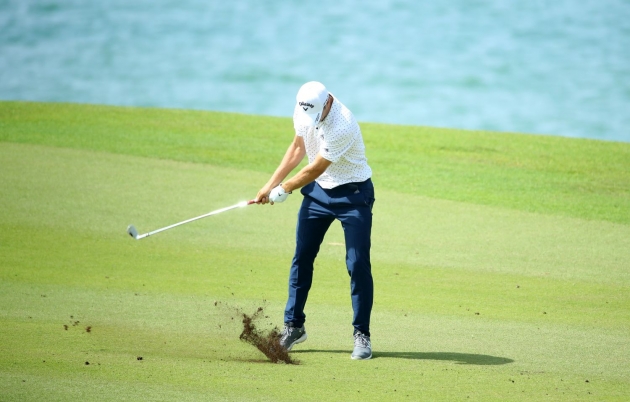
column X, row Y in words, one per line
column 307, row 174
column 291, row 159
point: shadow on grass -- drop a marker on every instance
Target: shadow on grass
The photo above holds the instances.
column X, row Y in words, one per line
column 459, row 358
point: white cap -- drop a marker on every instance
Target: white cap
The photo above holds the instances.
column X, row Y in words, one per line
column 310, row 103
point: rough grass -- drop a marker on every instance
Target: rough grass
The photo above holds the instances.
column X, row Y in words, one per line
column 500, row 275
column 552, row 175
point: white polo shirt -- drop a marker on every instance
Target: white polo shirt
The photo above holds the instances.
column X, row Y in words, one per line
column 338, row 139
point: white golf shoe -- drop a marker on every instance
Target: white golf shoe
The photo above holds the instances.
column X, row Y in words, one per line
column 362, row 346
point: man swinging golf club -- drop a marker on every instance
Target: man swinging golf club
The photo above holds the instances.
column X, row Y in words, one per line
column 336, row 184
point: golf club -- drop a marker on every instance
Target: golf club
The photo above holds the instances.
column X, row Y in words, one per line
column 134, row 233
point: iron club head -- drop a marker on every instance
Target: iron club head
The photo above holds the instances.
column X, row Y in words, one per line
column 132, row 231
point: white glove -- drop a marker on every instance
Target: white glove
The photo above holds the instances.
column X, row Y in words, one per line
column 278, row 194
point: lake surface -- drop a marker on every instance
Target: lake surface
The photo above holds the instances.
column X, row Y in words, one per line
column 560, row 68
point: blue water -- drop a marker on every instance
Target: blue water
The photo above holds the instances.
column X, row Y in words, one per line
column 560, row 68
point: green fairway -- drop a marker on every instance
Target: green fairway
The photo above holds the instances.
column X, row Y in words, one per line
column 501, row 263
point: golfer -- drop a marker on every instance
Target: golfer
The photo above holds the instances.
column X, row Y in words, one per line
column 336, row 184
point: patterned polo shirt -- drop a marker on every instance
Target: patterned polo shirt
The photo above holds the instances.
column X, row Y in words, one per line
column 338, row 139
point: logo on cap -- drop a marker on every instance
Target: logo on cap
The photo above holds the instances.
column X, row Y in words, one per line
column 303, row 104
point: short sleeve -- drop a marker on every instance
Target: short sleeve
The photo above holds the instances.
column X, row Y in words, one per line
column 301, row 131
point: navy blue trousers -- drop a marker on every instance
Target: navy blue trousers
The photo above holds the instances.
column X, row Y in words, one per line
column 352, row 205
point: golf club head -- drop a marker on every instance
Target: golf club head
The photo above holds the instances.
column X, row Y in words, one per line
column 132, row 231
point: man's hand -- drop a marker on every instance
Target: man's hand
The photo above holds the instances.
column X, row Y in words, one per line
column 278, row 194
column 263, row 195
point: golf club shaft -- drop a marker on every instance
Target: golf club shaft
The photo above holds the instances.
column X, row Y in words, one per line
column 218, row 211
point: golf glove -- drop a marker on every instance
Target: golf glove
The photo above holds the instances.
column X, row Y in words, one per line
column 278, row 194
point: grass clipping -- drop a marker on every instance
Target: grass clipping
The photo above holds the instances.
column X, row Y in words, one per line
column 268, row 342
